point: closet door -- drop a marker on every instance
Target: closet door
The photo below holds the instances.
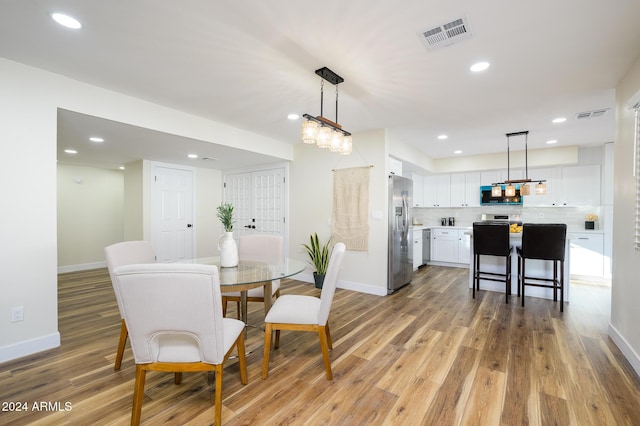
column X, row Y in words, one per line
column 258, row 200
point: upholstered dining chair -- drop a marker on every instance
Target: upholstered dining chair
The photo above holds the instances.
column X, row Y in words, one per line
column 174, row 316
column 126, row 253
column 256, row 248
column 305, row 313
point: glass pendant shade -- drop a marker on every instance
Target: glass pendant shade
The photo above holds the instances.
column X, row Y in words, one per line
column 324, row 137
column 309, row 131
column 336, row 141
column 347, row 146
column 525, row 189
column 541, row 188
column 496, row 191
column 510, row 191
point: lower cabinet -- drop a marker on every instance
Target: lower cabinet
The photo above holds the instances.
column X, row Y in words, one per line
column 417, row 248
column 451, row 245
column 586, row 254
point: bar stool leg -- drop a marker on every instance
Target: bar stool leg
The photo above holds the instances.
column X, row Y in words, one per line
column 521, row 278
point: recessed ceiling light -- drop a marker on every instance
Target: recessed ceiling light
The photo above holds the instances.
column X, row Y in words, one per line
column 479, row 66
column 66, row 21
column 96, row 139
column 457, row 151
column 552, row 141
column 121, row 167
column 442, row 137
column 293, row 116
column 70, row 151
column 559, row 120
column 192, row 156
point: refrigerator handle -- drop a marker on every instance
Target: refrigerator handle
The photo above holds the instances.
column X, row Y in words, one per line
column 405, row 213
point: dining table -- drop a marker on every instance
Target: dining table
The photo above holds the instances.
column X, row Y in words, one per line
column 251, row 274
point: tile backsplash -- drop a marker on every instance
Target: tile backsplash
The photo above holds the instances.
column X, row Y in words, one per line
column 574, row 217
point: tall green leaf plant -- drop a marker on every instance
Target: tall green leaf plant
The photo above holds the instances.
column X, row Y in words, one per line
column 318, row 254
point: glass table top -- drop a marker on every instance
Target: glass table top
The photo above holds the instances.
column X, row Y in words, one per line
column 248, row 272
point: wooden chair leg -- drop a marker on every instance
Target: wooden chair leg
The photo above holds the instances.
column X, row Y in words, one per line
column 224, row 306
column 276, row 344
column 177, row 378
column 238, row 310
column 325, row 351
column 138, row 395
column 242, row 359
column 329, row 342
column 218, row 397
column 123, row 340
column 267, row 351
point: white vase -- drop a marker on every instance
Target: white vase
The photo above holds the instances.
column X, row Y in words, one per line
column 228, row 251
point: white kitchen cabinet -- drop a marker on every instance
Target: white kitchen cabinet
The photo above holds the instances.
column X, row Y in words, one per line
column 490, row 177
column 444, row 245
column 586, row 254
column 418, row 190
column 437, row 191
column 465, row 189
column 552, row 197
column 451, row 245
column 464, row 246
column 417, row 248
column 395, row 166
column 581, row 185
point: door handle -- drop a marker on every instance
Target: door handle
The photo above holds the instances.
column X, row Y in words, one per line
column 189, row 225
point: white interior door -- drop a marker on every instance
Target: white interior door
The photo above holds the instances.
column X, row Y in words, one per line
column 172, row 213
column 259, row 201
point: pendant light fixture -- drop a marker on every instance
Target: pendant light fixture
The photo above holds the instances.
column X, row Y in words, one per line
column 322, row 131
column 525, row 188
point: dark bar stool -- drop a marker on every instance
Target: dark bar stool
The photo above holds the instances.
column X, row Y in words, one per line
column 491, row 239
column 543, row 242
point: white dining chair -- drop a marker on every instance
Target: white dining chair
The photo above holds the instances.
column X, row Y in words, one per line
column 174, row 316
column 257, row 248
column 126, row 253
column 305, row 313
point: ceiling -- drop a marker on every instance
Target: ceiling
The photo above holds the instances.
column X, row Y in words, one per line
column 249, row 66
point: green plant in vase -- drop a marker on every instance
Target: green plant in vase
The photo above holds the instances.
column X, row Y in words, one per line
column 225, row 214
column 227, row 245
column 319, row 255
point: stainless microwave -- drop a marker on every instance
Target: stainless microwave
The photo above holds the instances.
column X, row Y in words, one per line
column 486, row 199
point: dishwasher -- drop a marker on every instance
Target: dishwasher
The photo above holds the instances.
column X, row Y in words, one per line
column 426, row 246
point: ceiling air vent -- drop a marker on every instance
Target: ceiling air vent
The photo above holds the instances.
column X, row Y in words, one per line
column 446, row 34
column 591, row 114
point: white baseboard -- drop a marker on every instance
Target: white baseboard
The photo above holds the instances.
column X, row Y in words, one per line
column 348, row 285
column 29, row 347
column 81, row 267
column 625, row 348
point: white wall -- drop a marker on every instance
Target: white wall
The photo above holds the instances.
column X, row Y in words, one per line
column 28, row 107
column 311, row 186
column 90, row 207
column 625, row 288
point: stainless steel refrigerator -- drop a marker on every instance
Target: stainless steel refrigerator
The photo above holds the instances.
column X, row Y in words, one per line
column 399, row 264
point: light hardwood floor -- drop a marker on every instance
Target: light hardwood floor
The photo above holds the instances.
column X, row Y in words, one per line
column 428, row 354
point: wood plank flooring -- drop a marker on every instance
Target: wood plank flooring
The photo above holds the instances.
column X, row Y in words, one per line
column 427, row 355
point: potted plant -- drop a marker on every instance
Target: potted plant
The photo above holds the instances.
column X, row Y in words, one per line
column 227, row 245
column 319, row 255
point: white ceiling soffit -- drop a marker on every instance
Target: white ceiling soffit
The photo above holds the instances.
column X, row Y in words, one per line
column 591, row 114
column 447, row 34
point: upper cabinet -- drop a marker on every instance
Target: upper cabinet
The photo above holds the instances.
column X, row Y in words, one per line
column 581, row 185
column 566, row 186
column 465, row 189
column 437, row 191
column 418, row 190
column 395, row 166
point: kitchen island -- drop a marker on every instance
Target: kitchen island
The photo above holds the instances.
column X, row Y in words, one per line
column 535, row 267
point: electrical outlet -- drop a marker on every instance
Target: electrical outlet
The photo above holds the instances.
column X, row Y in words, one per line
column 17, row 314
